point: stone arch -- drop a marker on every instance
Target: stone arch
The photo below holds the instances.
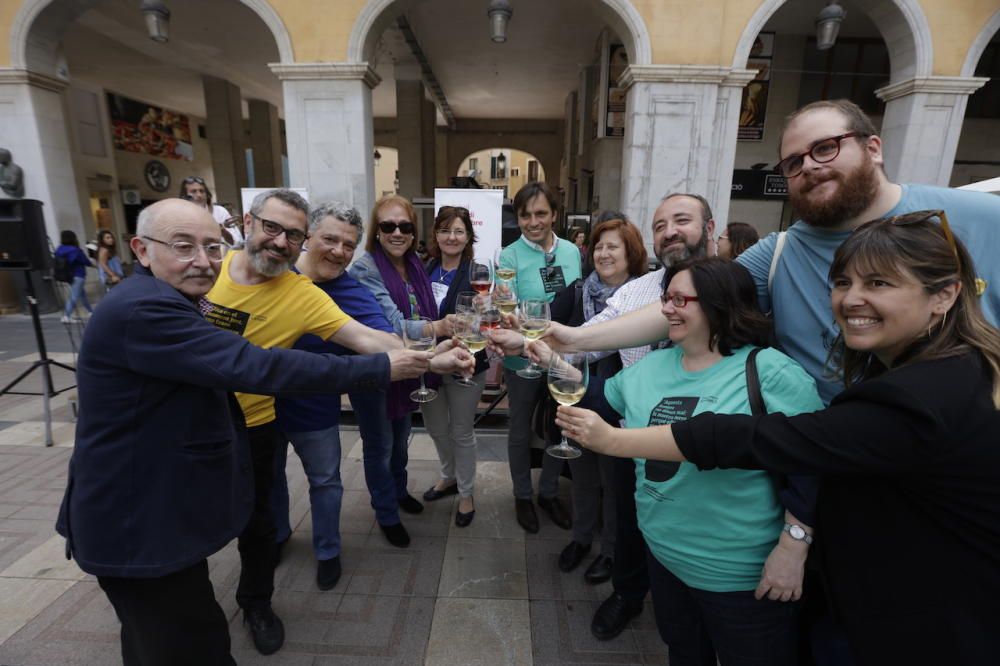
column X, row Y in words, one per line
column 621, row 15
column 902, row 23
column 458, row 151
column 34, row 36
column 979, row 45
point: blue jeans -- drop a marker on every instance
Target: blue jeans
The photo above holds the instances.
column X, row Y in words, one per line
column 77, row 294
column 319, row 451
column 697, row 624
column 384, row 447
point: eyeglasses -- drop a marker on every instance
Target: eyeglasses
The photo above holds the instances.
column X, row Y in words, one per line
column 679, row 300
column 194, row 179
column 273, row 229
column 186, row 252
column 458, row 233
column 390, row 226
column 823, row 151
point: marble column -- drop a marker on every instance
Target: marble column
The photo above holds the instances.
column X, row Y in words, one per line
column 415, row 129
column 265, row 142
column 680, row 136
column 224, row 127
column 328, row 127
column 922, row 124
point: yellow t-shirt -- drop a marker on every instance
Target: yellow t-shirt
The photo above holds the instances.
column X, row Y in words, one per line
column 275, row 313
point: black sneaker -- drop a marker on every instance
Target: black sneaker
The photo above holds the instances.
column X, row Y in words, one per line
column 328, row 573
column 411, row 504
column 266, row 628
column 557, row 512
column 612, row 617
column 396, row 534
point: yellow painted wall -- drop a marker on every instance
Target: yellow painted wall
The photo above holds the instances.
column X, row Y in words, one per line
column 953, row 29
column 8, row 10
column 320, row 29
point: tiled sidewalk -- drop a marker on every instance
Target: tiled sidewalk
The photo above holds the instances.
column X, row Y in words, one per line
column 486, row 594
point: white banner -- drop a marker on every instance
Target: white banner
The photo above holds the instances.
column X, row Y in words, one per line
column 485, row 210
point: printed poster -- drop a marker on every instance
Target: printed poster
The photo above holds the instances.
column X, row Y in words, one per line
column 485, row 211
column 138, row 127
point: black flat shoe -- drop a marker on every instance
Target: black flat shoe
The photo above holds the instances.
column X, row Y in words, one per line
column 328, row 573
column 599, row 570
column 557, row 512
column 526, row 516
column 266, row 629
column 434, row 494
column 396, row 534
column 612, row 617
column 464, row 519
column 410, row 504
column 572, row 555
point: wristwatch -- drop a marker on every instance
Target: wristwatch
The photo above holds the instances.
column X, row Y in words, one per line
column 797, row 533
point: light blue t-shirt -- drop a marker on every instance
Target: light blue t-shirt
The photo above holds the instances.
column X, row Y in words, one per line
column 711, row 529
column 800, row 289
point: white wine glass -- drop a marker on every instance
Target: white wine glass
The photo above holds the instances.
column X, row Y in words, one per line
column 535, row 318
column 468, row 333
column 465, row 302
column 503, row 272
column 418, row 335
column 569, row 374
column 505, row 294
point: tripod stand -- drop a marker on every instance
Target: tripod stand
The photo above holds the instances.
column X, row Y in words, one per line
column 44, row 363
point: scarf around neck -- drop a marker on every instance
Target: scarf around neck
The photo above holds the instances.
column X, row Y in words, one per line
column 596, row 294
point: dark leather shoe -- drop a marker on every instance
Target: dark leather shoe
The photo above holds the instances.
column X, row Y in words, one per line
column 266, row 628
column 410, row 504
column 572, row 555
column 328, row 573
column 464, row 519
column 599, row 570
column 434, row 494
column 396, row 534
column 612, row 617
column 557, row 512
column 526, row 516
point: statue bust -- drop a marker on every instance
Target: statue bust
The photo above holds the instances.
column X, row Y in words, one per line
column 11, row 176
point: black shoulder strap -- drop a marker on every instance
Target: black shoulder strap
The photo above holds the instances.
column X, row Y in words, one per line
column 757, row 407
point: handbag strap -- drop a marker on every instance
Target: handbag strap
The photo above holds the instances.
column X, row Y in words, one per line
column 757, row 406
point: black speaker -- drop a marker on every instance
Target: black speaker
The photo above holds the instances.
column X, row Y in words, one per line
column 24, row 244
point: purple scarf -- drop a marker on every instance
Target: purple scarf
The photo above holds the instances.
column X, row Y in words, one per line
column 398, row 397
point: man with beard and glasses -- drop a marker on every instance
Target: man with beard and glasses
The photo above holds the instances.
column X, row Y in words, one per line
column 259, row 297
column 832, row 158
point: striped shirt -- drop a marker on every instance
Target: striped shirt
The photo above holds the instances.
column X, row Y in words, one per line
column 634, row 295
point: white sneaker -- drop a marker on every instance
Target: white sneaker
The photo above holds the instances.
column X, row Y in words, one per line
column 69, row 320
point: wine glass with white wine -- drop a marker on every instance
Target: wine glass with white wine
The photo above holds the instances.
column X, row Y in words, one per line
column 535, row 317
column 468, row 333
column 503, row 272
column 568, row 377
column 418, row 335
column 505, row 294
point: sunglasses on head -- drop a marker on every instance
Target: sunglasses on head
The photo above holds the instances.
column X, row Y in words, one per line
column 918, row 217
column 390, row 226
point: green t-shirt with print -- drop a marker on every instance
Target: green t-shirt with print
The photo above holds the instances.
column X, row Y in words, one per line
column 712, row 529
column 536, row 278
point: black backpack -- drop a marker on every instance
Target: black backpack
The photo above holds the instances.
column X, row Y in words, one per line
column 61, row 269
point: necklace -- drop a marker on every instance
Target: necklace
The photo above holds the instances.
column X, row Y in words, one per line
column 445, row 273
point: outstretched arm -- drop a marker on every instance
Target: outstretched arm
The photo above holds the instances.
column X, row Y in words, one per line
column 634, row 329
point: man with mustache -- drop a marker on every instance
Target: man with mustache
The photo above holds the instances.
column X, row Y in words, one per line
column 259, row 297
column 160, row 476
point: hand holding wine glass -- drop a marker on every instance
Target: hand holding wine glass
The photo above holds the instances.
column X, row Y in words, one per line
column 535, row 317
column 568, row 377
column 418, row 334
column 467, row 332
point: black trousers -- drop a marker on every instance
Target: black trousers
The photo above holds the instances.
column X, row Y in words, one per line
column 170, row 620
column 629, row 575
column 257, row 542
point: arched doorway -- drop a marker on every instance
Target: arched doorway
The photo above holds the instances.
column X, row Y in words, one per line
column 502, row 168
column 978, row 155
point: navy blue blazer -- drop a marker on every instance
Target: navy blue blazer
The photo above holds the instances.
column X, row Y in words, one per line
column 160, row 476
column 458, row 284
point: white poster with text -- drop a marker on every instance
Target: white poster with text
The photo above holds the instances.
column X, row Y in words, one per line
column 485, row 211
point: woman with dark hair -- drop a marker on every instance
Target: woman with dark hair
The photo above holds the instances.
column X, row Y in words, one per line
column 618, row 256
column 737, row 237
column 391, row 270
column 709, row 534
column 907, row 454
column 451, row 417
column 109, row 266
column 69, row 251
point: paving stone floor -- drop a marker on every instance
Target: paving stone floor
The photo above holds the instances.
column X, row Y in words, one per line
column 486, row 594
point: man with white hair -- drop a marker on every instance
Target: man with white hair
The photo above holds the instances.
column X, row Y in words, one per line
column 160, row 475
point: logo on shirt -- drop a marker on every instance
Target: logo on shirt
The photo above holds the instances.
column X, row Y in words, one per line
column 228, row 318
column 667, row 411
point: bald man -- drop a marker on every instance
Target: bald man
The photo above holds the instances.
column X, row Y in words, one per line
column 160, row 476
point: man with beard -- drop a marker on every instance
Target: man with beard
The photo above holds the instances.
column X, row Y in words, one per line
column 258, row 297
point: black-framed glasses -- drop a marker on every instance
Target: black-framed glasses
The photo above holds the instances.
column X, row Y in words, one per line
column 679, row 300
column 273, row 229
column 390, row 226
column 186, row 251
column 822, row 151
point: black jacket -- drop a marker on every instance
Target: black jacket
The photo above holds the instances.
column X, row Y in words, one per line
column 458, row 284
column 909, row 505
column 160, row 475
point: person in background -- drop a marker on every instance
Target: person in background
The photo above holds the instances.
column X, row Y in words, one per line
column 70, row 252
column 737, row 237
column 194, row 189
column 450, row 418
column 109, row 266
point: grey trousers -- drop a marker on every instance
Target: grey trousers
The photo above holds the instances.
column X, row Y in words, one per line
column 522, row 394
column 449, row 420
column 592, row 473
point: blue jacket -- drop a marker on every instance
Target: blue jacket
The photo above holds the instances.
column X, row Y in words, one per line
column 160, row 476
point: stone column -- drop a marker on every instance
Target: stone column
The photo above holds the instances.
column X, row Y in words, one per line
column 265, row 142
column 224, row 127
column 34, row 128
column 922, row 124
column 415, row 128
column 328, row 126
column 680, row 136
